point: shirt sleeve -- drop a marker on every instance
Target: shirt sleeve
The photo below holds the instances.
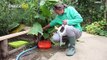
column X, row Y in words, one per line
column 75, row 15
column 53, row 22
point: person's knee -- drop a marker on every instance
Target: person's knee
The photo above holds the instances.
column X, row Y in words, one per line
column 70, row 31
column 71, row 34
column 69, row 28
column 56, row 37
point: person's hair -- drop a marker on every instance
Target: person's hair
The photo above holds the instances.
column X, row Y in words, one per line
column 59, row 6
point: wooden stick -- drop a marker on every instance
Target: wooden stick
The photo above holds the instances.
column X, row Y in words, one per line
column 1, row 55
column 13, row 35
column 3, row 49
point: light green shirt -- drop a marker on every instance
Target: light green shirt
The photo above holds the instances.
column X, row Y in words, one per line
column 71, row 15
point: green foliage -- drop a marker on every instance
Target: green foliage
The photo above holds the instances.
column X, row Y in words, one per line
column 12, row 26
column 98, row 28
column 44, row 16
column 29, row 12
column 17, row 29
column 24, row 11
column 91, row 10
column 5, row 18
column 37, row 28
column 48, row 33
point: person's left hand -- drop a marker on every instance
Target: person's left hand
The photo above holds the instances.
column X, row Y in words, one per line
column 64, row 22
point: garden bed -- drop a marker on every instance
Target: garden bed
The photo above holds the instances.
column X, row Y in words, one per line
column 36, row 54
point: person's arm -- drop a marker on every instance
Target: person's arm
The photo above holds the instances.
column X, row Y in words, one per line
column 51, row 24
column 75, row 15
column 46, row 27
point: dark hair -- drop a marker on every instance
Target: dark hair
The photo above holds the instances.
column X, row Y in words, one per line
column 59, row 6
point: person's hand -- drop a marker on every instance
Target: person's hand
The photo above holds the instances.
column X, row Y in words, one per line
column 47, row 26
column 43, row 28
column 64, row 22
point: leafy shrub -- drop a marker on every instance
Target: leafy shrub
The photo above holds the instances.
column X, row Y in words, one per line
column 98, row 28
column 28, row 12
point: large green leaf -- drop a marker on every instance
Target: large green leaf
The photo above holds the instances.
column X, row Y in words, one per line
column 37, row 28
column 45, row 11
column 39, row 17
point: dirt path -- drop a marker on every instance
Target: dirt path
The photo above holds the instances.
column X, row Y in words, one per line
column 90, row 47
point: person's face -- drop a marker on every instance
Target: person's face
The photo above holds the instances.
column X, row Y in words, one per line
column 59, row 12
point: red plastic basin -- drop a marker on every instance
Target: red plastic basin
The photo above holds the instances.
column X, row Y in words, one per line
column 44, row 44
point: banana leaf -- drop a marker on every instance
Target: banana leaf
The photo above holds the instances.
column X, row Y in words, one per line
column 18, row 29
column 12, row 26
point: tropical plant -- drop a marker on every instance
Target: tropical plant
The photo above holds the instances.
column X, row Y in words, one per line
column 43, row 17
column 28, row 12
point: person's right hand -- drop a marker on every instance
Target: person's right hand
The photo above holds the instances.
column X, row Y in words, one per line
column 64, row 22
column 43, row 28
column 47, row 26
